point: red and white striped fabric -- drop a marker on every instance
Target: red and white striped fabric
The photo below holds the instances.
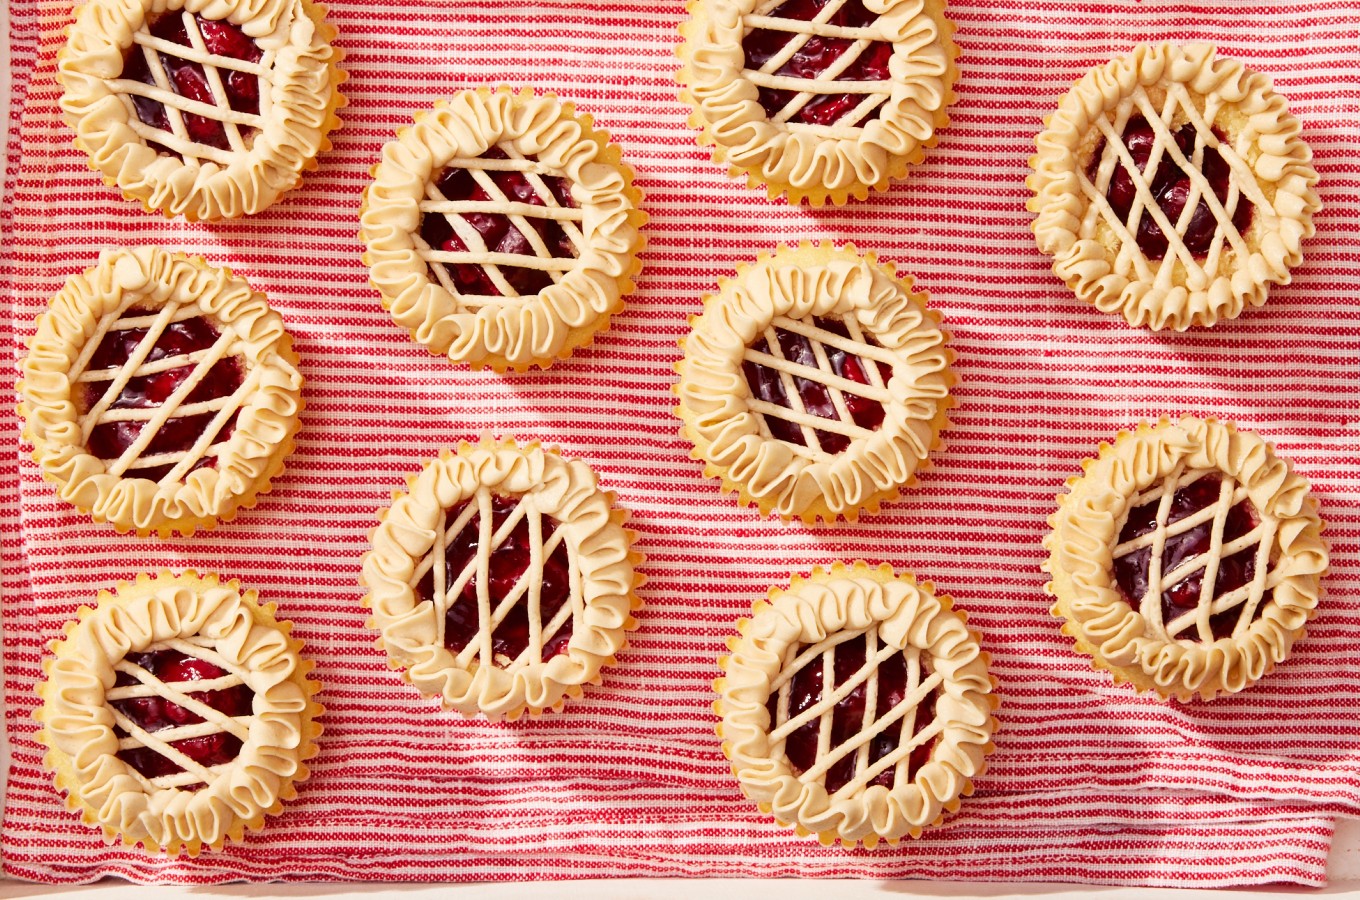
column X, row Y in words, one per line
column 1089, row 783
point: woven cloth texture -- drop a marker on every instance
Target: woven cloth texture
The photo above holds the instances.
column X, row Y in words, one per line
column 1089, row 782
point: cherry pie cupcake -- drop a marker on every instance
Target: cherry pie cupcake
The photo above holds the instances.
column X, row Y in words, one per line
column 206, row 109
column 177, row 713
column 856, row 705
column 815, row 383
column 1186, row 559
column 818, row 99
column 502, row 230
column 503, row 580
column 1172, row 187
column 160, row 394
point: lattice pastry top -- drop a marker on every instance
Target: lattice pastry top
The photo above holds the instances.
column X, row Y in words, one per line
column 856, row 705
column 815, row 383
column 205, row 109
column 502, row 230
column 160, row 394
column 503, row 580
column 1186, row 559
column 822, row 99
column 177, row 713
column 1172, row 186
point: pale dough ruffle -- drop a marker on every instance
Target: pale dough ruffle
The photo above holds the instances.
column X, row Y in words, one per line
column 1086, row 528
column 298, row 106
column 250, row 458
column 1277, row 159
column 714, row 393
column 516, row 332
column 77, row 724
column 599, row 550
column 909, row 615
column 813, row 166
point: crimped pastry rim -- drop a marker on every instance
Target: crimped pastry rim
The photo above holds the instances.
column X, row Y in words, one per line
column 600, row 547
column 724, row 434
column 265, row 425
column 1084, row 263
column 304, row 114
column 1104, row 625
column 853, row 597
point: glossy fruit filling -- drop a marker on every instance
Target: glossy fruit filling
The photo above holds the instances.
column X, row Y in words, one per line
column 508, row 564
column 847, row 718
column 498, row 233
column 1234, row 571
column 108, row 440
column 816, row 56
column 188, row 79
column 154, row 714
column 1170, row 186
column 766, row 384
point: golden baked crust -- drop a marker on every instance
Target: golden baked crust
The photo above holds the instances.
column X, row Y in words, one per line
column 1182, row 657
column 201, row 618
column 542, row 138
column 888, row 324
column 173, row 287
column 811, row 162
column 562, row 506
column 802, row 626
column 268, row 151
column 1173, row 87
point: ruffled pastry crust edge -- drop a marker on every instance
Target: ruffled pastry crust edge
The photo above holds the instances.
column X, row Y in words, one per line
column 894, row 155
column 1084, row 264
column 1113, row 634
column 831, row 600
column 142, row 175
column 609, row 572
column 265, row 428
column 804, row 490
column 432, row 315
column 293, row 715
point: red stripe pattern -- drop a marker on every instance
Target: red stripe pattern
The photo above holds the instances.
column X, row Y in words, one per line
column 1088, row 783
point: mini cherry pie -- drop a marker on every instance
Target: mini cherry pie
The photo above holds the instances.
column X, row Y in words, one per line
column 201, row 109
column 177, row 713
column 856, row 705
column 815, row 383
column 503, row 580
column 1172, row 186
column 1186, row 559
column 819, row 99
column 160, row 394
column 501, row 229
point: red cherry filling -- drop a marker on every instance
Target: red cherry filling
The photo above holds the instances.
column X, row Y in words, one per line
column 816, row 56
column 156, row 714
column 188, row 79
column 766, row 384
column 108, row 440
column 1234, row 571
column 507, row 565
column 847, row 718
column 498, row 233
column 1171, row 188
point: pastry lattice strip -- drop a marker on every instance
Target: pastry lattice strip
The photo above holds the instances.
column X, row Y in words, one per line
column 569, row 218
column 527, row 589
column 227, row 344
column 1248, row 597
column 214, row 721
column 903, row 715
column 176, row 105
column 824, row 374
column 1116, row 154
column 875, row 92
